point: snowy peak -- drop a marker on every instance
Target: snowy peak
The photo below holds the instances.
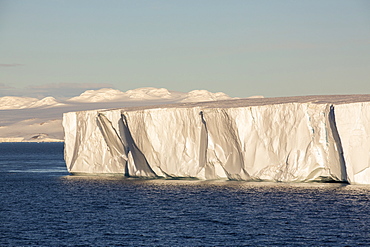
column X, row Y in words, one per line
column 101, row 95
column 149, row 93
column 204, row 95
column 11, row 102
column 46, row 102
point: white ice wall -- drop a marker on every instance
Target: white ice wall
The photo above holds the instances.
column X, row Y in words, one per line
column 283, row 142
column 86, row 148
column 276, row 142
column 170, row 139
column 353, row 123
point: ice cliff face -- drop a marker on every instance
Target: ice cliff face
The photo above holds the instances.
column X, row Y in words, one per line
column 317, row 138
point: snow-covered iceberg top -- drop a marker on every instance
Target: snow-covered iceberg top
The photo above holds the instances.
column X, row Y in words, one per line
column 311, row 138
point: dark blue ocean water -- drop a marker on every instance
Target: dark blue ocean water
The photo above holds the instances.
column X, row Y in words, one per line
column 42, row 205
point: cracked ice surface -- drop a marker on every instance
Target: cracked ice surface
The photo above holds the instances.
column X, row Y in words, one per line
column 311, row 138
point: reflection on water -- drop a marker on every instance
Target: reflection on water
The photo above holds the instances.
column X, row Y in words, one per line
column 235, row 212
column 41, row 205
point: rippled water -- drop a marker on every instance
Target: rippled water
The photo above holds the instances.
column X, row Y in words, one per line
column 42, row 205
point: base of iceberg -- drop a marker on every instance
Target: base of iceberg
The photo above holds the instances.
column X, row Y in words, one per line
column 292, row 139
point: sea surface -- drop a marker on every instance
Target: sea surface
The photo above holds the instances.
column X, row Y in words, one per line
column 42, row 205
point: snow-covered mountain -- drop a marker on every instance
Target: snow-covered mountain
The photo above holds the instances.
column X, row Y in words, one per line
column 13, row 102
column 147, row 94
column 32, row 119
column 112, row 95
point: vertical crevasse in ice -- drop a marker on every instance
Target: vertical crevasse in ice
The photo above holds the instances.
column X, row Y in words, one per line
column 91, row 146
column 285, row 142
column 169, row 139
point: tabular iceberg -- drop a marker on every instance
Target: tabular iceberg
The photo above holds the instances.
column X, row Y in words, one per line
column 293, row 139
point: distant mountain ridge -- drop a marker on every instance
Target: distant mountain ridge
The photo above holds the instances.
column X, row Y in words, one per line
column 112, row 95
column 39, row 120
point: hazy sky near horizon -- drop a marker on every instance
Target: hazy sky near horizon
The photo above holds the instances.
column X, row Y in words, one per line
column 239, row 47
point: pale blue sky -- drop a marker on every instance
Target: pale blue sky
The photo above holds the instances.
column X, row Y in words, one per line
column 240, row 47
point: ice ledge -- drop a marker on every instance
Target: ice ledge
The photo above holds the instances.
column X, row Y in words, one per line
column 277, row 139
